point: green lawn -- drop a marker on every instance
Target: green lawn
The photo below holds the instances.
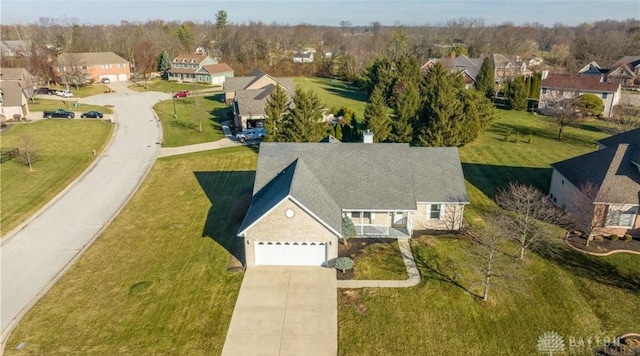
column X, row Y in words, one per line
column 336, row 93
column 156, row 281
column 166, row 86
column 380, row 261
column 83, row 91
column 185, row 129
column 44, row 104
column 65, row 150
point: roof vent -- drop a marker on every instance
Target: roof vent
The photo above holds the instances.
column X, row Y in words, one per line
column 367, row 137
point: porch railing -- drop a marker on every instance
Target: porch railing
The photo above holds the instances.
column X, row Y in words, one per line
column 372, row 230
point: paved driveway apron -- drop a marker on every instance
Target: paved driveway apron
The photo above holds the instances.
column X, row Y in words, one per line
column 36, row 255
column 285, row 311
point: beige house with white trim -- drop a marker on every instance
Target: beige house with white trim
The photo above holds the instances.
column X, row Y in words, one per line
column 304, row 193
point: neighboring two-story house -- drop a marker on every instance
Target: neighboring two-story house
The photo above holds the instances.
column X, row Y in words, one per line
column 625, row 71
column 506, row 68
column 85, row 68
column 16, row 87
column 608, row 179
column 304, row 191
column 554, row 88
column 248, row 96
column 199, row 68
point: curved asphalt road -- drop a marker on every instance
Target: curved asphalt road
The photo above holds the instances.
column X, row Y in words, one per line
column 33, row 258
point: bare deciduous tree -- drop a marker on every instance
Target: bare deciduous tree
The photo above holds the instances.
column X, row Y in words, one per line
column 488, row 240
column 586, row 216
column 625, row 118
column 146, row 54
column 453, row 213
column 528, row 207
column 28, row 148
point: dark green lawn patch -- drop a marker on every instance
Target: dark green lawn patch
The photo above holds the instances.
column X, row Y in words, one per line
column 374, row 259
column 46, row 105
column 335, row 93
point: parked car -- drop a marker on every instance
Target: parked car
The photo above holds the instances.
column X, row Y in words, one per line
column 105, row 80
column 45, row 90
column 59, row 113
column 91, row 115
column 251, row 134
column 181, row 94
column 64, row 93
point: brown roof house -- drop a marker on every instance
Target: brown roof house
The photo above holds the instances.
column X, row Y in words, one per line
column 304, row 192
column 506, row 68
column 609, row 179
column 84, row 68
column 467, row 67
column 13, row 102
column 199, row 68
column 249, row 94
column 625, row 71
column 554, row 88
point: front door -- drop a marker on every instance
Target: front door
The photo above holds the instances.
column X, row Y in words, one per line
column 399, row 219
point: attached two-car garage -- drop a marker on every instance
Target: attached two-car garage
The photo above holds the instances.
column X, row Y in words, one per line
column 290, row 253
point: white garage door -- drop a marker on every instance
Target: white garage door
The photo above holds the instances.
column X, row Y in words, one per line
column 111, row 77
column 290, row 253
column 123, row 77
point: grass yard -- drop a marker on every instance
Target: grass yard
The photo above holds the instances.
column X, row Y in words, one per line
column 166, row 86
column 333, row 92
column 570, row 293
column 44, row 104
column 64, row 148
column 185, row 129
column 156, row 281
column 83, row 91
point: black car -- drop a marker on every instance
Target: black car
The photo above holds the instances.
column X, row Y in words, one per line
column 91, row 115
column 46, row 91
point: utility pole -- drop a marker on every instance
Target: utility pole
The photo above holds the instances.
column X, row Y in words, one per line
column 173, row 98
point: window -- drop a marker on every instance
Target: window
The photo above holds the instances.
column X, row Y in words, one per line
column 121, row 65
column 434, row 211
column 544, row 90
column 85, row 67
column 106, row 66
column 194, row 66
column 622, row 216
column 185, row 66
column 604, row 95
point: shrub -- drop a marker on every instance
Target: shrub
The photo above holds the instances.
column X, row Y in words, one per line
column 614, row 237
column 343, row 264
column 627, row 237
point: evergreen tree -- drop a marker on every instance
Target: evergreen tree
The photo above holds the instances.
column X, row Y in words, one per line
column 534, row 90
column 485, row 78
column 439, row 125
column 303, row 120
column 477, row 115
column 379, row 73
column 164, row 63
column 376, row 116
column 339, row 131
column 186, row 38
column 517, row 93
column 407, row 108
column 275, row 108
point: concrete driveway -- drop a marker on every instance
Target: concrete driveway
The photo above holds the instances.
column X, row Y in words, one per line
column 37, row 254
column 285, row 311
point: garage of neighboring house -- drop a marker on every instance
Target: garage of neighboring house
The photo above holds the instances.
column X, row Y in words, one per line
column 111, row 77
column 269, row 253
column 123, row 77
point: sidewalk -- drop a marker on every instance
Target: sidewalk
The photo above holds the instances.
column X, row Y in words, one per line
column 412, row 272
column 227, row 141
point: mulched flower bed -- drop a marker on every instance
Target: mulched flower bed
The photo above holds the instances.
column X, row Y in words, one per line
column 602, row 244
column 356, row 248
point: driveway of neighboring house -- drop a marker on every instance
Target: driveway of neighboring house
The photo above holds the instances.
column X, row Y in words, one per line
column 39, row 251
column 285, row 311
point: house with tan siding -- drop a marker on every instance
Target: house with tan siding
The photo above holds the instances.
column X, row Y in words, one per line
column 554, row 88
column 303, row 193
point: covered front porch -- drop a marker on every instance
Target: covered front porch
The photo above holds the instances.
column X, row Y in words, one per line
column 392, row 224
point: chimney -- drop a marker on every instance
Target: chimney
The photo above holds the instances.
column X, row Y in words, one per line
column 545, row 74
column 367, row 137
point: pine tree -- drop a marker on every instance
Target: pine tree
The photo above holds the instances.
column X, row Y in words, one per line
column 303, row 120
column 376, row 116
column 164, row 63
column 275, row 108
column 407, row 108
column 339, row 131
column 534, row 91
column 485, row 78
column 517, row 93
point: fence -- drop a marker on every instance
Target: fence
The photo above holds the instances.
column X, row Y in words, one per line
column 8, row 154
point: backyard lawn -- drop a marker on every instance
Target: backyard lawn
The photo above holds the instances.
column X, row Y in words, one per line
column 45, row 104
column 83, row 91
column 156, row 281
column 184, row 130
column 332, row 92
column 65, row 150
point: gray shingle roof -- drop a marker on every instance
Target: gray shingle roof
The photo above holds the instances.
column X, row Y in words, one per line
column 437, row 175
column 610, row 170
column 631, row 137
column 12, row 94
column 295, row 181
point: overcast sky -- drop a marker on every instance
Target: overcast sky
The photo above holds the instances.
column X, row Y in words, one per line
column 322, row 12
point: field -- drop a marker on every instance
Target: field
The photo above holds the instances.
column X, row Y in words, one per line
column 156, row 282
column 335, row 93
column 184, row 130
column 65, row 150
column 44, row 104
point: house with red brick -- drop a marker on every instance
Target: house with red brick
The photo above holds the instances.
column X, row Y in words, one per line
column 85, row 68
